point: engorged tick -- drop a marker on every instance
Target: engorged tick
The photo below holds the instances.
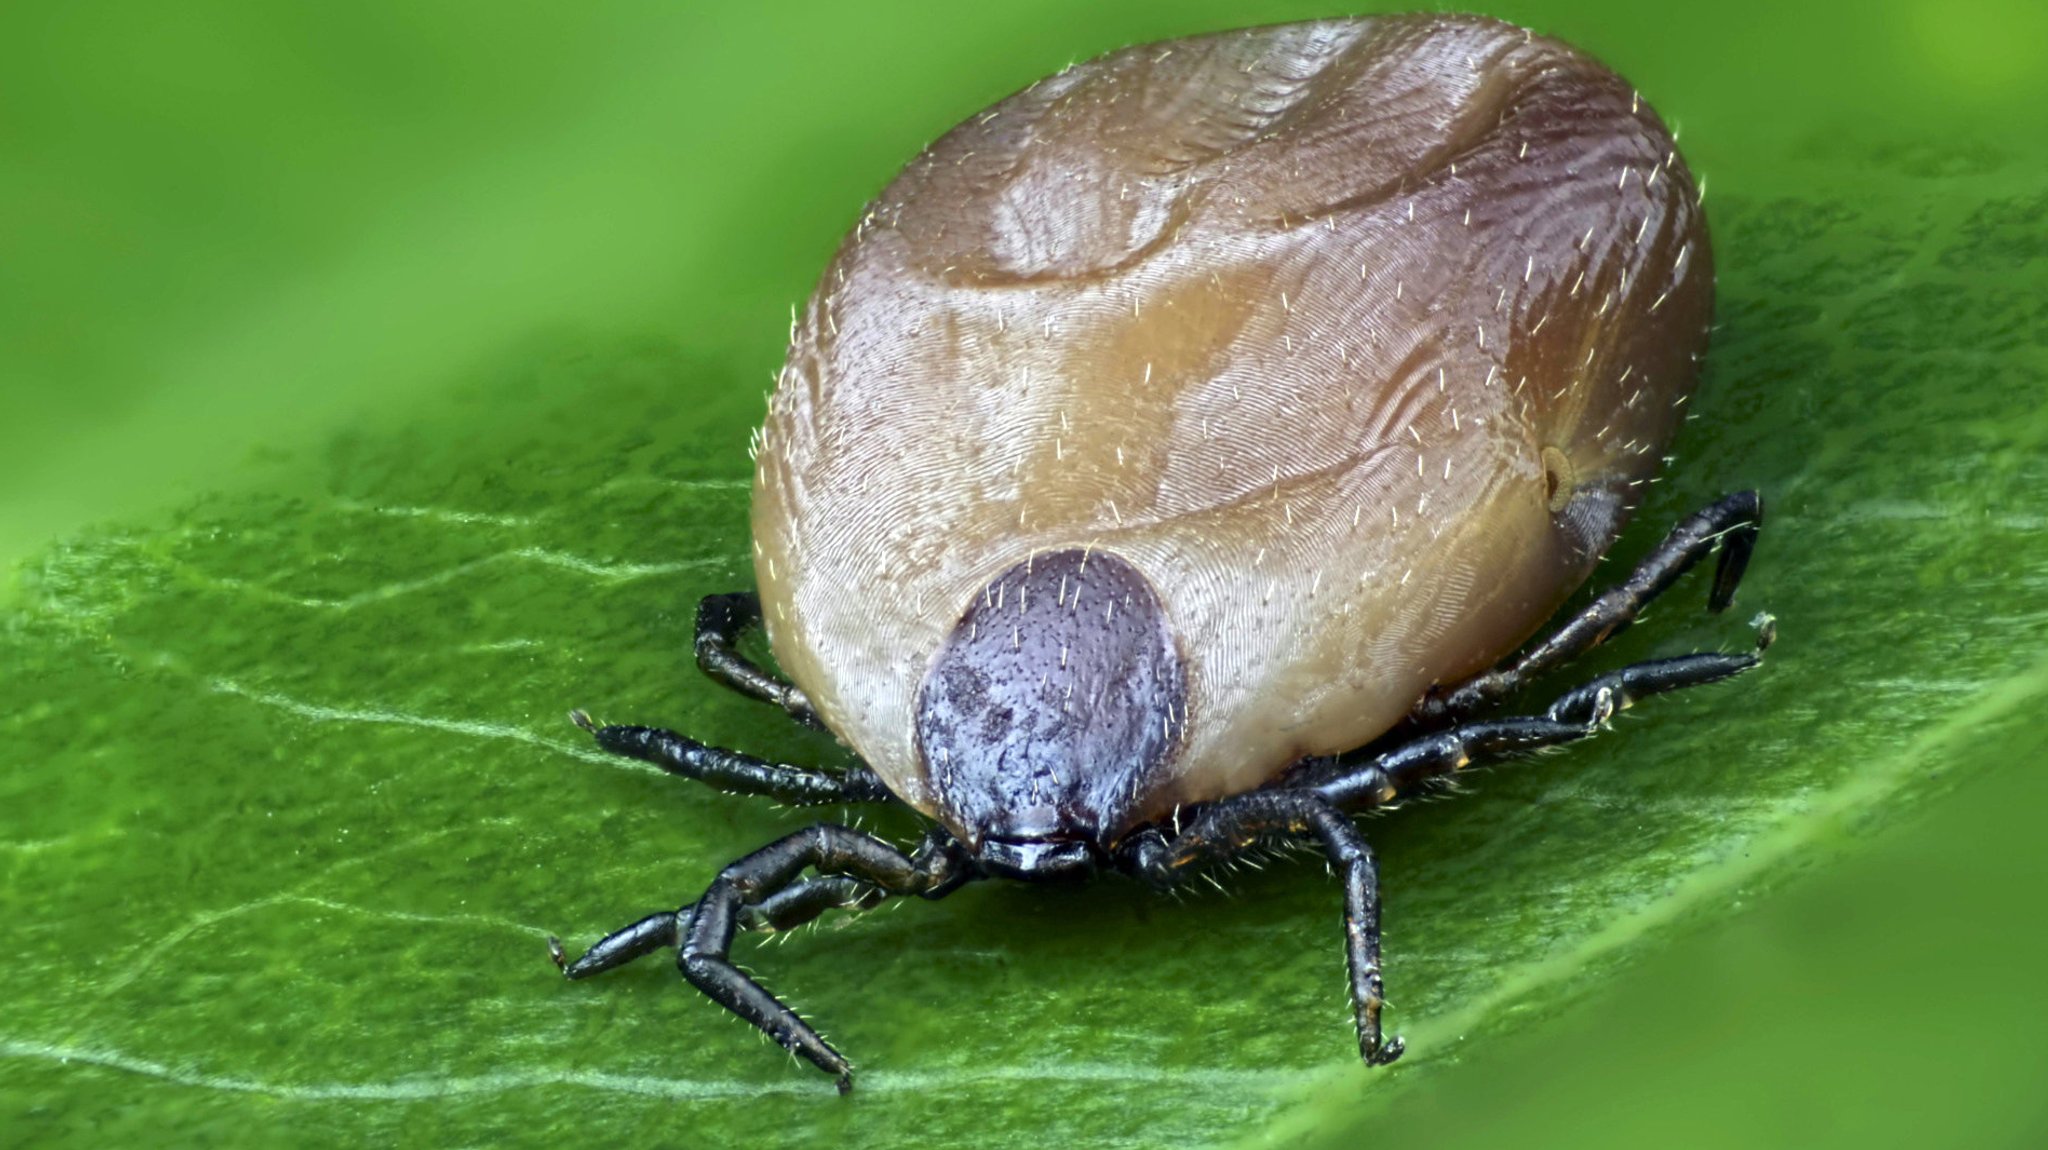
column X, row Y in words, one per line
column 1171, row 456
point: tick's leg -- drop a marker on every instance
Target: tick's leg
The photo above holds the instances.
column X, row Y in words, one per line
column 1577, row 714
column 762, row 892
column 1641, row 680
column 1402, row 770
column 1233, row 825
column 660, row 929
column 787, row 908
column 1731, row 523
column 938, row 868
column 733, row 771
column 795, row 905
column 721, row 620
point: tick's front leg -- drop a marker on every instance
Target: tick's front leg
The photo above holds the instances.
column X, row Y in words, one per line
column 786, row 909
column 766, row 891
column 1232, row 826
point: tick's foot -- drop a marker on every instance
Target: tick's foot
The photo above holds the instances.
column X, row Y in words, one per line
column 556, row 952
column 845, row 1084
column 581, row 718
column 1766, row 625
column 1385, row 1053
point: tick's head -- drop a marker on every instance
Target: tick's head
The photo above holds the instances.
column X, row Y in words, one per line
column 1052, row 714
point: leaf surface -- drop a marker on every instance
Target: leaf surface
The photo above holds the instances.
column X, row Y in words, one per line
column 291, row 803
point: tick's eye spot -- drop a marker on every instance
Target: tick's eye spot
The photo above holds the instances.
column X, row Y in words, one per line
column 1559, row 480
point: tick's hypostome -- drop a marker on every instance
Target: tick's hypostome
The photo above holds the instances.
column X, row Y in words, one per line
column 1190, row 419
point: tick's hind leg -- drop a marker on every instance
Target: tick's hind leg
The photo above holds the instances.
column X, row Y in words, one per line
column 1577, row 714
column 733, row 771
column 721, row 620
column 1656, row 676
column 1731, row 523
column 1225, row 829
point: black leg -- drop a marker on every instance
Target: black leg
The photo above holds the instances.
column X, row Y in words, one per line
column 938, row 868
column 763, row 891
column 786, row 909
column 1641, row 680
column 795, row 905
column 721, row 620
column 1731, row 523
column 1414, row 764
column 1226, row 828
column 733, row 771
column 1577, row 714
column 660, row 929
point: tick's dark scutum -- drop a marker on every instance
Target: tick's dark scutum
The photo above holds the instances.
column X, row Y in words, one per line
column 1057, row 704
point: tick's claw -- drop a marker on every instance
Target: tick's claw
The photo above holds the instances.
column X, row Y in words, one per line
column 1387, row 1052
column 845, row 1084
column 1603, row 710
column 581, row 718
column 555, row 952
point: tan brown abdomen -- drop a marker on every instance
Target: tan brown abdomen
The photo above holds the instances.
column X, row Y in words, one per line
column 1353, row 339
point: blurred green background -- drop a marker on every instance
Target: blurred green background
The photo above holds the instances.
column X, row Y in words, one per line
column 233, row 234
column 227, row 226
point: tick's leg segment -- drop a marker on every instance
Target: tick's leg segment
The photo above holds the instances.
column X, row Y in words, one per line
column 1235, row 824
column 1577, row 714
column 721, row 620
column 733, row 771
column 938, row 868
column 623, row 945
column 795, row 905
column 1731, row 523
column 1411, row 765
column 764, row 892
column 787, row 908
column 1641, row 680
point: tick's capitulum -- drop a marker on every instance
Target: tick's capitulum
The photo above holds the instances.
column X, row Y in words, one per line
column 1185, row 423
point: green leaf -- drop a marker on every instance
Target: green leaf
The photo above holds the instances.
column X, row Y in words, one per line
column 291, row 802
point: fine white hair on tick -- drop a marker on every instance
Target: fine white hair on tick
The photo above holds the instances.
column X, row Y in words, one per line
column 1196, row 348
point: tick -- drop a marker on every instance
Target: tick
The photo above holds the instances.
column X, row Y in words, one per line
column 1175, row 456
